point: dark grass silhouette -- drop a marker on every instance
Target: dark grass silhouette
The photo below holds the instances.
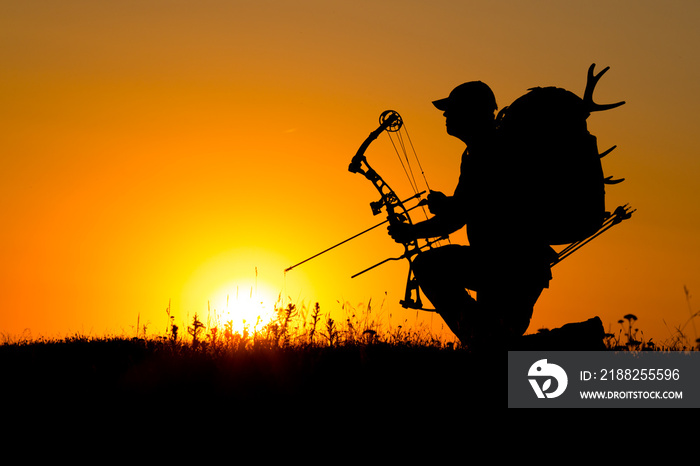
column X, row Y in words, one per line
column 304, row 362
column 301, row 360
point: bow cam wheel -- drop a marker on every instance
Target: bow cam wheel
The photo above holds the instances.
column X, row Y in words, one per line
column 395, row 125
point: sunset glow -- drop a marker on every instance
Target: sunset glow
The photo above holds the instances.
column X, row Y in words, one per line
column 243, row 309
column 162, row 152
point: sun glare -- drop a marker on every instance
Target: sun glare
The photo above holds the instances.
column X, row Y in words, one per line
column 243, row 307
column 240, row 288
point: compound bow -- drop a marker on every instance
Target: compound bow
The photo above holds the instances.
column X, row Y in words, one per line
column 396, row 210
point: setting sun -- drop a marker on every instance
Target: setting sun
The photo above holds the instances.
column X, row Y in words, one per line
column 243, row 307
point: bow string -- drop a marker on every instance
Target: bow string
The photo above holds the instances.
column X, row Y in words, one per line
column 396, row 210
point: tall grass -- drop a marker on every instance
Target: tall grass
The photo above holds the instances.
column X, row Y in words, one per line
column 303, row 357
column 295, row 327
column 302, row 352
column 630, row 337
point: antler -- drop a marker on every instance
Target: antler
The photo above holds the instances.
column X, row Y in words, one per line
column 588, row 93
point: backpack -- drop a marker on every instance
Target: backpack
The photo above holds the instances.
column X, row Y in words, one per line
column 559, row 168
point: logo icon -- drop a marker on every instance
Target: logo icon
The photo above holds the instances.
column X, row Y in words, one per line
column 545, row 372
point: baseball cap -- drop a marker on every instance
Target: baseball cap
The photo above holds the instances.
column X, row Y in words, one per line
column 469, row 94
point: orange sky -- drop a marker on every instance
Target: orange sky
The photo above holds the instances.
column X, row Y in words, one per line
column 158, row 151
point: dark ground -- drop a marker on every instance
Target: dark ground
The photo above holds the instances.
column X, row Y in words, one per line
column 377, row 378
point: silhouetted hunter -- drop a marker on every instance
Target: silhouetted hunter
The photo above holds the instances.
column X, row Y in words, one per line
column 531, row 177
column 506, row 265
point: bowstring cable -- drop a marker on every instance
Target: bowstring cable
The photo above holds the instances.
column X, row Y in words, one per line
column 409, row 171
column 415, row 154
column 406, row 166
column 411, row 177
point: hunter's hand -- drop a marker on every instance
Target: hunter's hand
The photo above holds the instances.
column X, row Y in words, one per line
column 437, row 202
column 401, row 232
